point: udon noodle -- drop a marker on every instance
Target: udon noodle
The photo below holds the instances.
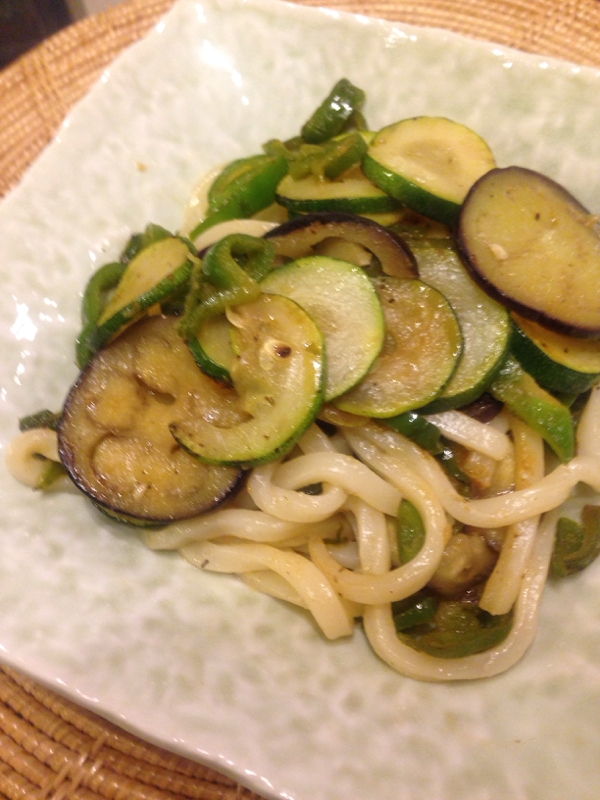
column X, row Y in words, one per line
column 333, row 553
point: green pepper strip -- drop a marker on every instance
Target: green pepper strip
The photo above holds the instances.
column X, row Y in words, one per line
column 242, row 189
column 418, row 609
column 459, row 629
column 418, row 429
column 410, row 531
column 53, row 470
column 328, row 160
column 95, row 297
column 334, row 112
column 577, row 544
column 139, row 241
column 229, row 275
column 41, row 419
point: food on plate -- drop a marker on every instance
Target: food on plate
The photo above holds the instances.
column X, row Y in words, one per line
column 363, row 377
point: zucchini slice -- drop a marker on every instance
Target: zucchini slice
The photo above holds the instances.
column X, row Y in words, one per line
column 533, row 246
column 214, row 354
column 429, row 163
column 156, row 273
column 422, row 350
column 114, row 437
column 341, row 299
column 352, row 192
column 485, row 325
column 279, row 374
column 560, row 363
column 536, row 407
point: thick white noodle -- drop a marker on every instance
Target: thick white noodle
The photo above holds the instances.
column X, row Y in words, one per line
column 268, row 582
column 23, row 455
column 310, row 583
column 408, row 578
column 478, row 436
column 314, row 440
column 493, row 512
column 289, row 505
column 502, row 586
column 381, row 632
column 241, row 523
column 371, row 535
column 340, row 470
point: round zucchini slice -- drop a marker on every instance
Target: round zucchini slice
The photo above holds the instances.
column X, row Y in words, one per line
column 342, row 301
column 560, row 363
column 530, row 244
column 428, row 163
column 114, row 437
column 352, row 192
column 485, row 324
column 422, row 350
column 279, row 375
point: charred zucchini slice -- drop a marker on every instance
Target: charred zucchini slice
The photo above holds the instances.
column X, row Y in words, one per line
column 114, row 434
column 422, row 350
column 279, row 376
column 534, row 247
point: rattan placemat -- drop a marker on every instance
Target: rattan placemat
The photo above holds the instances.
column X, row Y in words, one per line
column 51, row 749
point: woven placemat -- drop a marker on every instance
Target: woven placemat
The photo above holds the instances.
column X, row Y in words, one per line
column 51, row 749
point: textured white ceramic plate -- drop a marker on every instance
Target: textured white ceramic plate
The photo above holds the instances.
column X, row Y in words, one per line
column 197, row 662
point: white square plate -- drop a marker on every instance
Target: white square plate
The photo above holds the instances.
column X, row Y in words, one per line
column 197, row 662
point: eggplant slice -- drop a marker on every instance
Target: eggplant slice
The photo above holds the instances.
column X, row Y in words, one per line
column 114, row 436
column 533, row 246
column 299, row 235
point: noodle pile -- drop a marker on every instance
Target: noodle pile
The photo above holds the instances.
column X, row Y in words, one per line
column 334, row 553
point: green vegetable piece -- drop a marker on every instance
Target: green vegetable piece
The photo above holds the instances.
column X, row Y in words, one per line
column 329, row 160
column 410, row 531
column 228, row 276
column 331, row 117
column 418, row 429
column 41, row 419
column 243, row 188
column 157, row 273
column 540, row 410
column 139, row 241
column 236, row 258
column 577, row 543
column 458, row 629
column 417, row 610
column 95, row 298
column 53, row 470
